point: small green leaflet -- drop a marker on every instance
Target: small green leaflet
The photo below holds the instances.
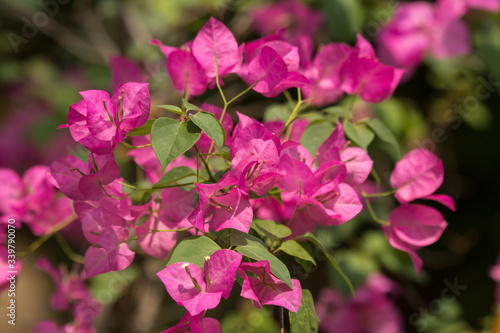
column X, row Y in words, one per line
column 360, row 134
column 272, row 230
column 295, row 249
column 305, row 319
column 189, row 106
column 193, row 249
column 171, row 108
column 212, row 128
column 383, row 133
column 171, row 138
column 178, row 176
column 143, row 130
column 310, row 237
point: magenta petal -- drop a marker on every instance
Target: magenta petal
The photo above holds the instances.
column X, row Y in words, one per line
column 96, row 262
column 418, row 174
column 90, row 188
column 358, row 164
column 222, row 267
column 268, row 68
column 417, row 225
column 292, row 80
column 451, row 40
column 165, row 49
column 156, row 244
column 335, row 141
column 66, row 173
column 234, row 211
column 216, row 49
column 12, row 189
column 186, row 73
column 119, row 255
column 136, row 106
column 443, row 199
column 95, row 219
column 206, row 325
column 400, row 245
column 298, row 177
column 363, row 48
column 346, row 203
column 98, row 119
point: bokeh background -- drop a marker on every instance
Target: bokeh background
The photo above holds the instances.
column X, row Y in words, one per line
column 43, row 66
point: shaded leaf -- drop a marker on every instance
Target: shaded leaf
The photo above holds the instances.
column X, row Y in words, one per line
column 212, row 128
column 171, row 138
column 273, row 230
column 295, row 249
column 383, row 133
column 359, row 134
column 171, row 108
column 177, row 176
column 143, row 130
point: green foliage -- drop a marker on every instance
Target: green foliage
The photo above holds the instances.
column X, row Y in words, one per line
column 305, row 319
column 171, row 138
column 193, row 249
column 360, row 134
column 172, row 108
column 211, row 126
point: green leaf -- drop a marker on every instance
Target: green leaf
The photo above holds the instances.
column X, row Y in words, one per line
column 189, row 106
column 239, row 238
column 295, row 249
column 305, row 319
column 171, row 108
column 254, row 248
column 272, row 230
column 359, row 134
column 314, row 135
column 212, row 128
column 178, row 176
column 143, row 130
column 193, row 249
column 338, row 111
column 310, row 237
column 488, row 43
column 171, row 138
column 383, row 133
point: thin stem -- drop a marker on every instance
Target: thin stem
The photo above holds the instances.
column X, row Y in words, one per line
column 379, row 195
column 68, row 250
column 128, row 145
column 294, row 113
column 282, row 320
column 370, row 209
column 242, row 93
column 211, row 177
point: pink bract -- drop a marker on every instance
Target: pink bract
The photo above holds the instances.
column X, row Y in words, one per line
column 264, row 288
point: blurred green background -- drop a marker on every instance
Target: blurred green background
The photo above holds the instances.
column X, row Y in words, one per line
column 449, row 107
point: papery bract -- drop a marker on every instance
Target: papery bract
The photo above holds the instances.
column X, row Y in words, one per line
column 266, row 289
column 418, row 174
column 216, row 49
column 199, row 290
column 197, row 324
column 417, row 225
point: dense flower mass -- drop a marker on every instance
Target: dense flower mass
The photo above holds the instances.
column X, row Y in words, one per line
column 224, row 201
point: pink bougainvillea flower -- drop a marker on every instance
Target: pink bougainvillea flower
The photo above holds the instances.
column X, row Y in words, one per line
column 418, row 174
column 300, row 19
column 185, row 71
column 111, row 254
column 171, row 214
column 418, row 28
column 196, row 324
column 255, row 156
column 100, row 122
column 229, row 209
column 358, row 165
column 60, row 209
column 363, row 74
column 324, row 74
column 196, row 289
column 371, row 311
column 216, row 49
column 413, row 226
column 263, row 288
column 81, row 181
column 417, row 225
